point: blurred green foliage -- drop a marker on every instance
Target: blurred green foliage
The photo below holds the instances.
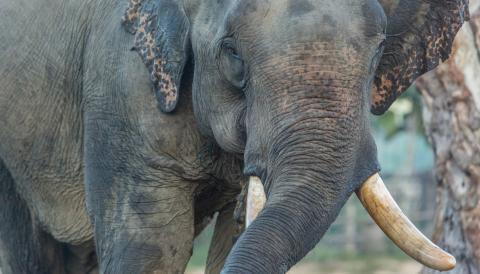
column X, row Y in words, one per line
column 201, row 245
column 405, row 112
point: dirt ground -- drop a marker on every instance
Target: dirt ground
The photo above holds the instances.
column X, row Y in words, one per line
column 355, row 267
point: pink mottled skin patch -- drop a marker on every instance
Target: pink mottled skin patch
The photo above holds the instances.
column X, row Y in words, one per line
column 144, row 25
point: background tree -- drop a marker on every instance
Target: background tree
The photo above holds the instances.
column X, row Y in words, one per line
column 451, row 97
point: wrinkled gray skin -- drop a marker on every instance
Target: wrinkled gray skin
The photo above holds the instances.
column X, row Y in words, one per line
column 279, row 89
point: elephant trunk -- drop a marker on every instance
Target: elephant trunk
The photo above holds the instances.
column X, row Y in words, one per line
column 301, row 206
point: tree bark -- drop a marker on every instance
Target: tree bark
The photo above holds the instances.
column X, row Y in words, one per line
column 451, row 96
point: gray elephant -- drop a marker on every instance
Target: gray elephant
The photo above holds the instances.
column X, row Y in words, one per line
column 100, row 174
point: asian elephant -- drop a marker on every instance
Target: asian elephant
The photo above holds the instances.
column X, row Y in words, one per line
column 126, row 124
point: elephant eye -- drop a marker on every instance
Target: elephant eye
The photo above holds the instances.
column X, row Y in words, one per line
column 233, row 52
column 232, row 65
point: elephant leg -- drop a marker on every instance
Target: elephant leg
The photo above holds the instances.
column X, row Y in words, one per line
column 149, row 230
column 226, row 230
column 24, row 247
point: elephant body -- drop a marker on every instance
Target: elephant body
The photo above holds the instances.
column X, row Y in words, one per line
column 57, row 67
column 126, row 125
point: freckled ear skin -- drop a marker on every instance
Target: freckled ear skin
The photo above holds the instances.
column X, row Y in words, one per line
column 161, row 31
column 419, row 36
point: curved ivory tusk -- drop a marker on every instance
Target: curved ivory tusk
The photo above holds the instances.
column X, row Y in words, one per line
column 255, row 199
column 389, row 217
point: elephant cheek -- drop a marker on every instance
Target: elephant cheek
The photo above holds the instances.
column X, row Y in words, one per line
column 229, row 133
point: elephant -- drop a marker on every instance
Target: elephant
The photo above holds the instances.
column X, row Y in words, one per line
column 127, row 124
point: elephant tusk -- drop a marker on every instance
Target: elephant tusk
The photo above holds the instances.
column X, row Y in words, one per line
column 389, row 217
column 385, row 212
column 255, row 199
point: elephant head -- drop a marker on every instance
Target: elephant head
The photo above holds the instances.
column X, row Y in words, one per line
column 290, row 84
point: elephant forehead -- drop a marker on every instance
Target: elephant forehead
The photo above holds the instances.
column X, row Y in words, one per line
column 322, row 19
column 299, row 7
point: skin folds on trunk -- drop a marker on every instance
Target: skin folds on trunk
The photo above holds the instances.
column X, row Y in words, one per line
column 281, row 236
column 303, row 200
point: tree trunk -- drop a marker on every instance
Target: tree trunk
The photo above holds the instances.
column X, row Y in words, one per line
column 451, row 96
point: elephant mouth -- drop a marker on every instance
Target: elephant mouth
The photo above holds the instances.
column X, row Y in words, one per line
column 383, row 209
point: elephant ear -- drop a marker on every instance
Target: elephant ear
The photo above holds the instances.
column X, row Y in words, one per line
column 161, row 31
column 420, row 35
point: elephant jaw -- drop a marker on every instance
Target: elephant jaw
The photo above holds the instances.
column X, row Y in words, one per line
column 385, row 212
